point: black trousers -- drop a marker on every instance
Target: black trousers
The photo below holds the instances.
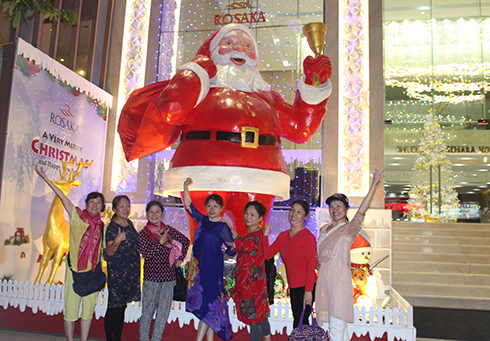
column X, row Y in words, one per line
column 114, row 323
column 296, row 296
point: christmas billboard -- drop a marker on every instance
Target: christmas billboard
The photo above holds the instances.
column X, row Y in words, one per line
column 57, row 120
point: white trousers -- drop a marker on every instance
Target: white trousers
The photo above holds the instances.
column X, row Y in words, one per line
column 338, row 330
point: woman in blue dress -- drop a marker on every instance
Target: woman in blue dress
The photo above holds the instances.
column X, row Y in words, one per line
column 206, row 297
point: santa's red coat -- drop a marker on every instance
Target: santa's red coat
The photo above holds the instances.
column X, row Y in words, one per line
column 189, row 104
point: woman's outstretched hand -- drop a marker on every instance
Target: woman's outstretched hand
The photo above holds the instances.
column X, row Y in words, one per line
column 67, row 204
column 377, row 177
column 164, row 237
column 225, row 219
column 187, row 196
column 40, row 172
column 267, row 229
column 188, row 182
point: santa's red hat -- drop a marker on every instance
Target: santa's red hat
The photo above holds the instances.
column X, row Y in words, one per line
column 211, row 43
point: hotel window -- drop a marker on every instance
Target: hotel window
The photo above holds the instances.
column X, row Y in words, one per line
column 82, row 47
column 437, row 61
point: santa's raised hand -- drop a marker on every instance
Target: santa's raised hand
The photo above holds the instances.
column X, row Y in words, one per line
column 320, row 65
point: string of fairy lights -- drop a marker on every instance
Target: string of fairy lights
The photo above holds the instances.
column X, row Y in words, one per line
column 439, row 61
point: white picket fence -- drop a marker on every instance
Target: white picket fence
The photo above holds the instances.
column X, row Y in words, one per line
column 397, row 322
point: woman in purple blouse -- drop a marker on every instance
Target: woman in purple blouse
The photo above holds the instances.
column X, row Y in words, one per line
column 156, row 240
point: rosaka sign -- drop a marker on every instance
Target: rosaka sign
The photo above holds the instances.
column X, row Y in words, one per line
column 449, row 149
column 239, row 18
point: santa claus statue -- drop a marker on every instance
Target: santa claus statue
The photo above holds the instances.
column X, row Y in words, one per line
column 229, row 121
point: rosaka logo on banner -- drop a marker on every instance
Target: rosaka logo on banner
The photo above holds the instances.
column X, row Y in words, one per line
column 65, row 120
column 253, row 16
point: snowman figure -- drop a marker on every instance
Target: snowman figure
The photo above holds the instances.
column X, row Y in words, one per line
column 366, row 280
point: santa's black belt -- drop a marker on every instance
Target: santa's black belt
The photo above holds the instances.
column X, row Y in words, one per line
column 248, row 138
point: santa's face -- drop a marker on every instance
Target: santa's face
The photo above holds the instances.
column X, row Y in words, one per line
column 236, row 62
column 240, row 44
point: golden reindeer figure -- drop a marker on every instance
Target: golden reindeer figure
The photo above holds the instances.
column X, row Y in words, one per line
column 56, row 238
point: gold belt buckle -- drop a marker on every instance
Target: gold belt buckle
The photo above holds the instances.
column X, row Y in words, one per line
column 255, row 142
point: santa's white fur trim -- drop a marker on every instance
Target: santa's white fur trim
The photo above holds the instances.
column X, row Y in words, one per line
column 314, row 95
column 203, row 77
column 229, row 179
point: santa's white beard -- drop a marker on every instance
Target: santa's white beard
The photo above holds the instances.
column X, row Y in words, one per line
column 245, row 77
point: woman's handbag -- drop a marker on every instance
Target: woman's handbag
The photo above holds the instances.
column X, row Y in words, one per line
column 180, row 289
column 270, row 271
column 86, row 283
column 307, row 332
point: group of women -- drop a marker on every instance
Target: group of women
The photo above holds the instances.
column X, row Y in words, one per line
column 206, row 297
column 302, row 254
column 164, row 248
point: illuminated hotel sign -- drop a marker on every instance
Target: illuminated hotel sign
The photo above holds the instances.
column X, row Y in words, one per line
column 396, row 206
column 449, row 149
column 239, row 18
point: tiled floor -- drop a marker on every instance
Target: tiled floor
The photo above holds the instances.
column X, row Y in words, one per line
column 11, row 335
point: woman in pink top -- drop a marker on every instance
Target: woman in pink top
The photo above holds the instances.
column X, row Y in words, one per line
column 297, row 247
column 334, row 302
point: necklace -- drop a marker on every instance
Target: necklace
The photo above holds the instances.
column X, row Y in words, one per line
column 334, row 227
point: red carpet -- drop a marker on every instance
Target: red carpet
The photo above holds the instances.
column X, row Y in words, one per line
column 13, row 318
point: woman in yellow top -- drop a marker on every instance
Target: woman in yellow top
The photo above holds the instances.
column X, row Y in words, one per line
column 86, row 230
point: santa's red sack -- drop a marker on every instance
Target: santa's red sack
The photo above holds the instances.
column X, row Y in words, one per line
column 141, row 128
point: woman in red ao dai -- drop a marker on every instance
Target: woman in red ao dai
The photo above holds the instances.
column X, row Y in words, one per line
column 251, row 286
